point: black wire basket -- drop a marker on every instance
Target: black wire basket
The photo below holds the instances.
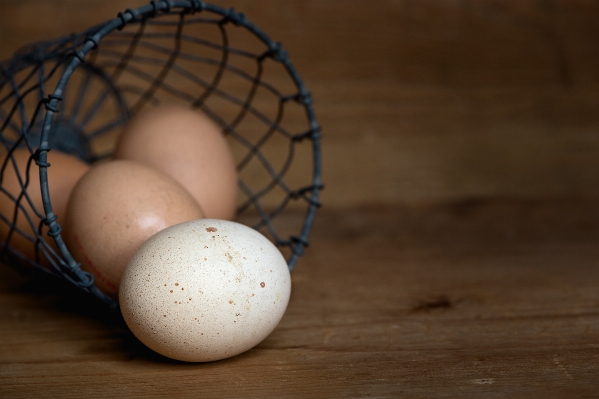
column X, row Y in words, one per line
column 75, row 94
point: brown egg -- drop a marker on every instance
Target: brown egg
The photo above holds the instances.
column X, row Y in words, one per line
column 63, row 173
column 114, row 208
column 190, row 147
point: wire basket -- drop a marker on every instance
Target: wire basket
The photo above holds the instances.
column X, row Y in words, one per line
column 75, row 94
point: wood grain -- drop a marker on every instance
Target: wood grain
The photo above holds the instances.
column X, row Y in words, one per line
column 468, row 300
column 420, row 101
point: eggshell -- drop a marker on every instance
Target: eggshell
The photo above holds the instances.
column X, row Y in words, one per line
column 114, row 208
column 190, row 147
column 205, row 290
column 63, row 173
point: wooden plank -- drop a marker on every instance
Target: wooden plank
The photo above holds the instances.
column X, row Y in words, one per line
column 465, row 299
column 421, row 101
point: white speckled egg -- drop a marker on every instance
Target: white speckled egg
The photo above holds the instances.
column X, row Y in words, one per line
column 204, row 290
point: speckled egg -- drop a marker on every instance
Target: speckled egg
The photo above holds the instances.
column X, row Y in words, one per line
column 204, row 290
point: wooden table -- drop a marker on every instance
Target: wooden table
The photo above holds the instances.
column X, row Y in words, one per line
column 463, row 300
column 457, row 254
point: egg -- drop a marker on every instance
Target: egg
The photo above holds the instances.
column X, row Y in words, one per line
column 64, row 172
column 204, row 290
column 114, row 208
column 190, row 147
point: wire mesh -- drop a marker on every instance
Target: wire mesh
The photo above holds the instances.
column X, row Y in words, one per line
column 74, row 95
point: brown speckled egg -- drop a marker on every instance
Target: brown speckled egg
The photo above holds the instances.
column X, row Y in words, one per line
column 205, row 290
column 63, row 173
column 190, row 147
column 115, row 207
